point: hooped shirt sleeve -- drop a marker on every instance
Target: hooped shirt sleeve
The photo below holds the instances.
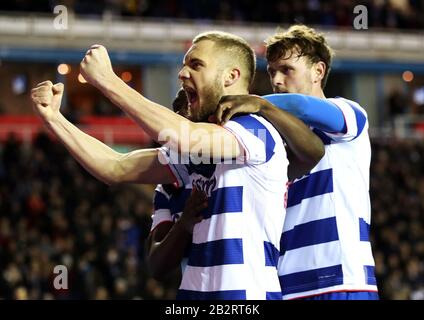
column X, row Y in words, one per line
column 254, row 137
column 176, row 163
column 161, row 207
column 356, row 121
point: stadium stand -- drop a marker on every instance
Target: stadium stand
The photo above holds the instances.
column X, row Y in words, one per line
column 394, row 14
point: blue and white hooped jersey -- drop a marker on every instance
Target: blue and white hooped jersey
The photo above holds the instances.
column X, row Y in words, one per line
column 168, row 207
column 325, row 245
column 234, row 253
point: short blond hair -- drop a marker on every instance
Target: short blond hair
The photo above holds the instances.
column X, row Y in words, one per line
column 237, row 48
column 306, row 40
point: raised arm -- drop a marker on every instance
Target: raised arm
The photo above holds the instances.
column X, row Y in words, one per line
column 305, row 148
column 159, row 122
column 107, row 165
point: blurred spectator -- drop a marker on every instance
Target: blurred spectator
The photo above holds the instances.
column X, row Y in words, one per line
column 398, row 207
column 52, row 212
column 400, row 14
column 418, row 100
column 397, row 104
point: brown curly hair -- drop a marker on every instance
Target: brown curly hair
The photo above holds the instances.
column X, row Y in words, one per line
column 303, row 40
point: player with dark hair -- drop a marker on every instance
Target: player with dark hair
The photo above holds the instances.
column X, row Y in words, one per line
column 325, row 246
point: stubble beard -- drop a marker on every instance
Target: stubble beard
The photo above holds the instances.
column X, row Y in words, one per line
column 211, row 99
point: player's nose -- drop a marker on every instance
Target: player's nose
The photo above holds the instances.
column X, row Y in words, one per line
column 277, row 80
column 183, row 74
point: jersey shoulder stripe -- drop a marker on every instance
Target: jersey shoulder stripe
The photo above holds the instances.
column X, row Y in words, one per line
column 160, row 201
column 254, row 126
column 355, row 120
column 360, row 117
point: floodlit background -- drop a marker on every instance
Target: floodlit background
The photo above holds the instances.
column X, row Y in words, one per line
column 53, row 213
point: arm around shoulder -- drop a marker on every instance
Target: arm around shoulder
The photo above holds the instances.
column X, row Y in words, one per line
column 306, row 149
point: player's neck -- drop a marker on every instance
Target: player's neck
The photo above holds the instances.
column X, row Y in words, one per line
column 235, row 90
column 317, row 92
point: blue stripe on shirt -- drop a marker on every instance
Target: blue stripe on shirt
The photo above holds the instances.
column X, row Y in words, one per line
column 274, row 295
column 370, row 275
column 224, row 200
column 271, row 254
column 172, row 162
column 308, row 234
column 311, row 279
column 211, row 295
column 178, row 200
column 361, row 119
column 316, row 184
column 364, row 230
column 260, row 131
column 326, row 140
column 355, row 295
column 216, row 253
column 160, row 201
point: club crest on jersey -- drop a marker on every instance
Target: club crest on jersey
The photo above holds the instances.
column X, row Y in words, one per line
column 205, row 185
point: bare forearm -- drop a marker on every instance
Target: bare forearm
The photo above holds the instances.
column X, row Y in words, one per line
column 158, row 121
column 306, row 146
column 166, row 255
column 167, row 127
column 96, row 157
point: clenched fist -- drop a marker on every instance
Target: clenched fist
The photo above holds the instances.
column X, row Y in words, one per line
column 46, row 99
column 96, row 67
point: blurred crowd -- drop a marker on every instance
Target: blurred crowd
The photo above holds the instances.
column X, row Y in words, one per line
column 397, row 229
column 400, row 14
column 53, row 213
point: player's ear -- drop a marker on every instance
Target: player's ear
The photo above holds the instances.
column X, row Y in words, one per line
column 231, row 76
column 318, row 71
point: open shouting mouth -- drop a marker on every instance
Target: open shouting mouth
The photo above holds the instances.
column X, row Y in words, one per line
column 192, row 95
